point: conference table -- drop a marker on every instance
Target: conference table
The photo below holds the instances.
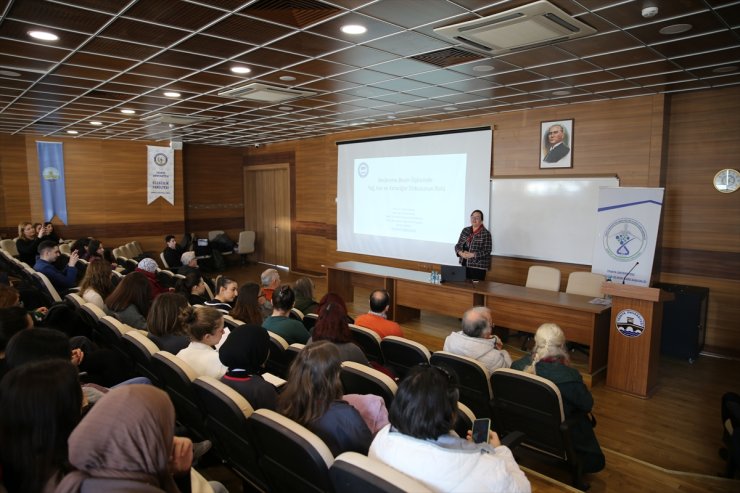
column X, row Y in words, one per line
column 513, row 307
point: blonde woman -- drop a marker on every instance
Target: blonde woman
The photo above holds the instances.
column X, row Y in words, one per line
column 550, row 360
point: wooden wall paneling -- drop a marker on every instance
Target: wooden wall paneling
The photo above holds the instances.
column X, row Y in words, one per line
column 15, row 199
column 701, row 227
column 213, row 189
column 106, row 190
column 613, row 137
column 312, row 179
column 311, row 254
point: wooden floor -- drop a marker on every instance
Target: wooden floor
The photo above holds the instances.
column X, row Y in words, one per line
column 669, row 442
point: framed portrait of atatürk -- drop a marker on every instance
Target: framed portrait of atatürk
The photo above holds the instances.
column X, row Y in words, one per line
column 556, row 144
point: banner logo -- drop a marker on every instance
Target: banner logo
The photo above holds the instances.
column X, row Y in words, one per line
column 51, row 178
column 625, row 239
column 160, row 159
column 630, row 323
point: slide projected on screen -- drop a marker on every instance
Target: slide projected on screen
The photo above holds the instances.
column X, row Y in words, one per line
column 414, row 197
column 408, row 197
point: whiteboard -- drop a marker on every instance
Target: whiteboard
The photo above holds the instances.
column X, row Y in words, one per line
column 546, row 218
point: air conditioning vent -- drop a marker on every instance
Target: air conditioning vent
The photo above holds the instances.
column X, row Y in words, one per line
column 536, row 24
column 173, row 119
column 265, row 93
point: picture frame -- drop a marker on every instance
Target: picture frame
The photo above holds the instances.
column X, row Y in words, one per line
column 556, row 150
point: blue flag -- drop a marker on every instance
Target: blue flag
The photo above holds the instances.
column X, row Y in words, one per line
column 51, row 172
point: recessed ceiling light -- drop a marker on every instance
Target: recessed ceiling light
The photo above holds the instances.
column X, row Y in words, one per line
column 128, row 112
column 73, row 132
column 9, row 73
column 239, row 69
column 562, row 92
column 43, row 35
column 354, row 29
column 285, row 108
column 482, row 68
column 369, row 119
column 287, row 78
column 725, row 69
column 450, row 108
column 391, row 117
column 675, row 29
column 172, row 94
column 96, row 123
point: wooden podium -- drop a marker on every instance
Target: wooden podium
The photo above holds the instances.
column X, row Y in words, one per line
column 634, row 338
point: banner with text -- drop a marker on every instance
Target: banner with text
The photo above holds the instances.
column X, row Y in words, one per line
column 627, row 228
column 51, row 172
column 160, row 174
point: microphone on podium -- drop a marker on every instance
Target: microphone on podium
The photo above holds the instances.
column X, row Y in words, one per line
column 630, row 272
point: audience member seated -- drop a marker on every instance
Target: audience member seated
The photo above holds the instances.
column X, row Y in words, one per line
column 165, row 325
column 476, row 340
column 49, row 233
column 419, row 441
column 40, row 405
column 244, row 353
column 376, row 319
column 102, row 367
column 126, row 443
column 226, row 290
column 148, row 267
column 95, row 251
column 13, row 319
column 81, row 246
column 550, row 360
column 247, row 307
column 304, row 296
column 270, row 280
column 10, row 296
column 172, row 252
column 205, row 326
column 27, row 243
column 193, row 288
column 97, row 283
column 332, row 326
column 130, row 300
column 313, row 398
column 280, row 323
column 190, row 264
column 61, row 280
column 335, row 298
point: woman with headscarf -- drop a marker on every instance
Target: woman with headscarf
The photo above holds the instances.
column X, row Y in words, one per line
column 550, row 360
column 127, row 443
column 244, row 353
column 148, row 267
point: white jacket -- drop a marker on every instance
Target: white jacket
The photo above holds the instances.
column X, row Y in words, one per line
column 203, row 359
column 478, row 348
column 450, row 463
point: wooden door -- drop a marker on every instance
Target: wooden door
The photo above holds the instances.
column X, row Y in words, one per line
column 267, row 211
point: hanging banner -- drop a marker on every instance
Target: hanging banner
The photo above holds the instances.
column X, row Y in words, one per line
column 160, row 174
column 51, row 173
column 627, row 227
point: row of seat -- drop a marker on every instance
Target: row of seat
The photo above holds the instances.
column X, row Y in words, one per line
column 267, row 450
column 517, row 402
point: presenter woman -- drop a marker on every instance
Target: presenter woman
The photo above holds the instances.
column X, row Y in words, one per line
column 474, row 247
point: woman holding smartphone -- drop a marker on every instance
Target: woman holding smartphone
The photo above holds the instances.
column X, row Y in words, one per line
column 419, row 441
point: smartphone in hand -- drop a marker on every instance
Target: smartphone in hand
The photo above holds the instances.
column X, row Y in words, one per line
column 481, row 427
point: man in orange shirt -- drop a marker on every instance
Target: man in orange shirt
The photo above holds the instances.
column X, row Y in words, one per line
column 376, row 319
